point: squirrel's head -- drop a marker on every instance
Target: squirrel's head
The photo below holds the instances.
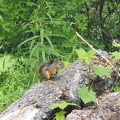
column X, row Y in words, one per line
column 59, row 64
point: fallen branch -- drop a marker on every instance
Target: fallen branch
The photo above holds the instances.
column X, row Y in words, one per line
column 91, row 47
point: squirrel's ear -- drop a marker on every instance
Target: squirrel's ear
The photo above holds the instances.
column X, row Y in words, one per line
column 56, row 60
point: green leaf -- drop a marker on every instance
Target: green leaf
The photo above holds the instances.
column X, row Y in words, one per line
column 50, row 42
column 42, row 35
column 6, row 63
column 81, row 54
column 116, row 45
column 1, row 18
column 91, row 54
column 87, row 60
column 115, row 55
column 32, row 38
column 33, row 50
column 60, row 115
column 87, row 95
column 86, row 56
column 62, row 105
column 102, row 71
column 117, row 88
column 43, row 54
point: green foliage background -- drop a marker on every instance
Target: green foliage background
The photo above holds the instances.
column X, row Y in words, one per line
column 33, row 31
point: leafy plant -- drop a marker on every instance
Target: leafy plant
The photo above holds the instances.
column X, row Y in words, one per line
column 87, row 95
column 15, row 79
column 116, row 45
column 7, row 63
column 86, row 56
column 116, row 55
column 61, row 115
column 102, row 71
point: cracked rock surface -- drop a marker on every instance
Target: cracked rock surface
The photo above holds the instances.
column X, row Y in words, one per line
column 108, row 109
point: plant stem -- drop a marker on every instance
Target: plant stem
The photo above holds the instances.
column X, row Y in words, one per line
column 89, row 76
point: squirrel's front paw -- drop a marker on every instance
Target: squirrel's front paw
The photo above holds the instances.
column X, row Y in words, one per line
column 50, row 81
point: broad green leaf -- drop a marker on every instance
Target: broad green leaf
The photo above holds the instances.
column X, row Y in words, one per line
column 116, row 45
column 86, row 56
column 115, row 55
column 60, row 115
column 91, row 54
column 102, row 71
column 61, row 105
column 81, row 54
column 87, row 95
column 87, row 60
